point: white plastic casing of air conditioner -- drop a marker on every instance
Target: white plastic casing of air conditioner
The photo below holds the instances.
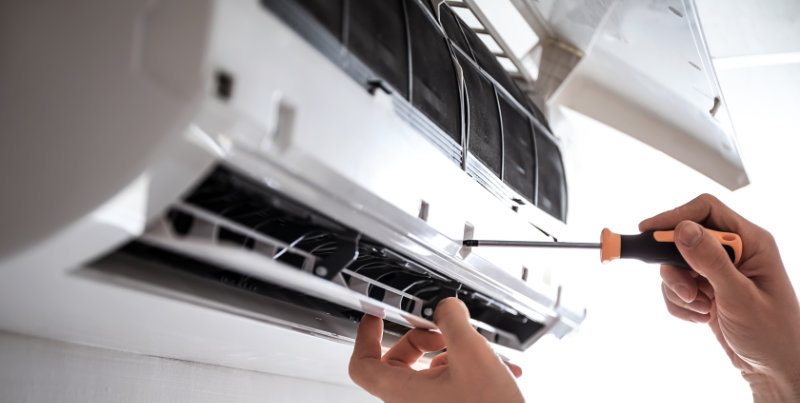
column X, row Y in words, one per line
column 118, row 112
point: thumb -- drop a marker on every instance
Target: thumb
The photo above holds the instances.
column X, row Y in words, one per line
column 463, row 341
column 705, row 254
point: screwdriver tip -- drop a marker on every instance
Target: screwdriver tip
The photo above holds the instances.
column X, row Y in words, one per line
column 470, row 242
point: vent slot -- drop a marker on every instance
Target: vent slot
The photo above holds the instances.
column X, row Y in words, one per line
column 228, row 214
column 434, row 85
column 483, row 56
column 377, row 36
column 485, row 138
column 327, row 12
column 398, row 46
column 452, row 28
column 488, row 62
column 552, row 187
column 231, row 278
column 519, row 163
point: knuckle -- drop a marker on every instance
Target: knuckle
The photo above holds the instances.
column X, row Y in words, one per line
column 667, row 294
column 766, row 236
column 699, row 305
column 673, row 309
column 673, row 276
column 672, row 297
column 708, row 198
column 679, row 211
column 666, row 272
column 679, row 312
column 718, row 261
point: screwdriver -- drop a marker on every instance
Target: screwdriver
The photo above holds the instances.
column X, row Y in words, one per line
column 649, row 246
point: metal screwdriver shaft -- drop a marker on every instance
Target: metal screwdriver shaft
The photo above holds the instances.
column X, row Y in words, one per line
column 480, row 242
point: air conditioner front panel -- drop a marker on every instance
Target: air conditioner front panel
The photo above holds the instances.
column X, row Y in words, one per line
column 284, row 117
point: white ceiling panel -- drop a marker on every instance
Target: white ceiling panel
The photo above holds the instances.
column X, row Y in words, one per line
column 748, row 27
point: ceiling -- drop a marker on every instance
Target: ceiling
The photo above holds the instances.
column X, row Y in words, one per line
column 747, row 27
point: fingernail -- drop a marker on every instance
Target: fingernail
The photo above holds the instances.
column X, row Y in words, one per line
column 683, row 292
column 690, row 234
column 454, row 300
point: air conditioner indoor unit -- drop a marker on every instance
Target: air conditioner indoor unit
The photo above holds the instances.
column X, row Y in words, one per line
column 282, row 164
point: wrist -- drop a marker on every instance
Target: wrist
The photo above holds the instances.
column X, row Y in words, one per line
column 772, row 386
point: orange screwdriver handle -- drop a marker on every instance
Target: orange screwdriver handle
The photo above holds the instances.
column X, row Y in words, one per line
column 730, row 241
column 610, row 245
column 659, row 247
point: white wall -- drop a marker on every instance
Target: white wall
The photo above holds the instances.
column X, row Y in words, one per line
column 39, row 370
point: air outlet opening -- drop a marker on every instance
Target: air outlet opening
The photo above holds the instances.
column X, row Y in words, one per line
column 231, row 230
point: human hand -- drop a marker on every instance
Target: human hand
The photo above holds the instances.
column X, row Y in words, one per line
column 753, row 310
column 468, row 372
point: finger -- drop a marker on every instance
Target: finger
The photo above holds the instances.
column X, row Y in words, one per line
column 515, row 369
column 680, row 281
column 705, row 255
column 366, row 368
column 685, row 314
column 440, row 360
column 368, row 338
column 705, row 287
column 462, row 340
column 701, row 304
column 703, row 209
column 412, row 345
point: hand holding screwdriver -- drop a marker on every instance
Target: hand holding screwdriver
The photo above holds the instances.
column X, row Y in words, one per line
column 751, row 307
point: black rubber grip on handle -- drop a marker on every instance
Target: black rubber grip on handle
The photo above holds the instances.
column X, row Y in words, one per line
column 644, row 247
